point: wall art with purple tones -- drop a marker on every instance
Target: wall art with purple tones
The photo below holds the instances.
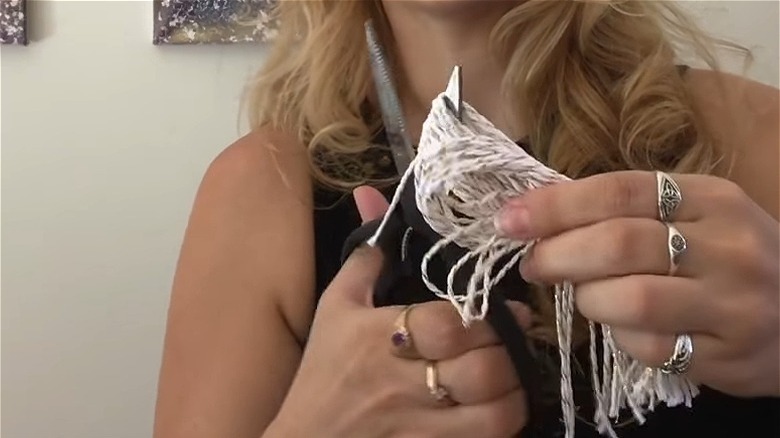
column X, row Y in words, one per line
column 213, row 21
column 13, row 22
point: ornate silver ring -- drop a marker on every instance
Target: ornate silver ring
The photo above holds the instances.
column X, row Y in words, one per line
column 669, row 196
column 680, row 360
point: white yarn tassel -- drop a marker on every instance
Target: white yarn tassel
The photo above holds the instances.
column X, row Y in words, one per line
column 464, row 172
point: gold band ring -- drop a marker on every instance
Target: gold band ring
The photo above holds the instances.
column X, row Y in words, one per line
column 432, row 382
column 401, row 337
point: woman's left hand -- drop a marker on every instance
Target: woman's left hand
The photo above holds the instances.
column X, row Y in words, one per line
column 604, row 234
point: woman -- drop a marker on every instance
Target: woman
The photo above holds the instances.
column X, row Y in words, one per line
column 594, row 88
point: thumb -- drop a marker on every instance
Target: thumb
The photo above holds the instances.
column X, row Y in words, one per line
column 358, row 276
column 355, row 282
column 371, row 203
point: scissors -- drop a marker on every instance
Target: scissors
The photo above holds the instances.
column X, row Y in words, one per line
column 390, row 104
column 500, row 317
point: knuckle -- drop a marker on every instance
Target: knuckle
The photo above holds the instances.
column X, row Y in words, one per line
column 485, row 374
column 448, row 336
column 749, row 246
column 483, row 369
column 733, row 190
column 442, row 327
column 621, row 192
column 746, row 256
column 728, row 193
column 640, row 304
column 622, row 243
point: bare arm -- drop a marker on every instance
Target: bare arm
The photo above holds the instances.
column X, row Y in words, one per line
column 242, row 295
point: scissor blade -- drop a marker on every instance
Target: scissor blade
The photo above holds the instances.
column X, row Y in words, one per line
column 454, row 93
column 390, row 104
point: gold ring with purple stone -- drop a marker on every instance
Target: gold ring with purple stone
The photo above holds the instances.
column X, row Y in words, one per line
column 401, row 337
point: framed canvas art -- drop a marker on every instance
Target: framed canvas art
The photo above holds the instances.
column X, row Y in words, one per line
column 213, row 21
column 13, row 22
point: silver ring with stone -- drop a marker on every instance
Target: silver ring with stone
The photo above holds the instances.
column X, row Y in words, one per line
column 681, row 357
column 677, row 245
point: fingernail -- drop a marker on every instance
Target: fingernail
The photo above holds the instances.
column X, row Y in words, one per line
column 513, row 221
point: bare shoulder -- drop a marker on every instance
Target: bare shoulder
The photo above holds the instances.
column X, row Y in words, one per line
column 261, row 187
column 744, row 115
column 243, row 293
column 262, row 159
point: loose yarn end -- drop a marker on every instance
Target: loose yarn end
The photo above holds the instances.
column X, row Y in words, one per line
column 464, row 172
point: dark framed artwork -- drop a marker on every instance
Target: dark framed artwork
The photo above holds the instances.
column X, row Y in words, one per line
column 13, row 22
column 213, row 21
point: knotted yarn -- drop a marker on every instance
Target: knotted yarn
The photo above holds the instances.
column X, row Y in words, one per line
column 464, row 172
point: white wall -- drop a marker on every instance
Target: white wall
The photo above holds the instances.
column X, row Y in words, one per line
column 104, row 140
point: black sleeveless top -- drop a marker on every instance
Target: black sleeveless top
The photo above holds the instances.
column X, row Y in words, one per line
column 338, row 230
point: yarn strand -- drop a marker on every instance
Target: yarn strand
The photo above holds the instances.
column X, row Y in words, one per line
column 464, row 172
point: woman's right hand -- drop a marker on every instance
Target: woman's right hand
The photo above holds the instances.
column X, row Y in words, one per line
column 354, row 382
